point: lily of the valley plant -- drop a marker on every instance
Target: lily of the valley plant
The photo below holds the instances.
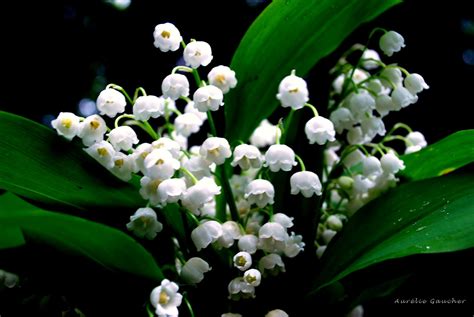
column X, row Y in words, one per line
column 224, row 190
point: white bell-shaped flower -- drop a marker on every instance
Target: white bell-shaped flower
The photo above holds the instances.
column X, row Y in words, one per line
column 353, row 158
column 265, row 134
column 167, row 37
column 294, row 245
column 230, row 233
column 370, row 59
column 103, row 152
column 193, row 270
column 190, row 108
column 293, row 92
column 231, row 315
column 238, row 289
column 149, row 190
column 306, row 182
column 223, row 78
column 355, row 135
column 171, row 190
column 187, row 124
column 320, row 130
column 123, row 138
column 166, row 299
column 198, row 166
column 147, row 107
column 215, row 150
column 415, row 83
column 248, row 243
column 334, row 223
column 208, row 98
column 239, row 183
column 391, row 42
column 320, row 251
column 92, row 130
column 160, row 164
column 199, row 194
column 276, row 313
column 165, row 143
column 384, row 104
column 280, row 157
column 271, row 264
column 140, row 153
column 66, row 124
column 372, row 126
column 361, row 104
column 342, row 119
column 415, row 141
column 247, row 156
column 143, row 223
column 111, row 102
column 391, row 164
column 260, row 192
column 253, row 277
column 402, row 97
column 124, row 166
column 371, row 166
column 206, row 233
column 242, row 260
column 272, row 237
column 197, row 53
column 357, row 311
column 175, row 86
column 392, row 74
column 327, row 235
column 285, row 221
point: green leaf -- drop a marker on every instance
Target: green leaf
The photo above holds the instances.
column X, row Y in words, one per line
column 38, row 164
column 427, row 216
column 289, row 34
column 440, row 158
column 111, row 248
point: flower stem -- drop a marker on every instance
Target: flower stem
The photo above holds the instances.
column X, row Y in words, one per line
column 212, row 126
column 187, row 172
column 313, row 108
column 120, row 88
column 300, row 160
column 188, row 304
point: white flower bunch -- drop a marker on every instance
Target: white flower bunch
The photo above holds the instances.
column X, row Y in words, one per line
column 235, row 211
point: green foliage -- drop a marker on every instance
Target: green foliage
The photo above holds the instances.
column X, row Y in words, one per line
column 427, row 216
column 287, row 35
column 37, row 164
column 440, row 158
column 21, row 223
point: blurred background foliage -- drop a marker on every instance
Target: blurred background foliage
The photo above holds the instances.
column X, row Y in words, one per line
column 51, row 63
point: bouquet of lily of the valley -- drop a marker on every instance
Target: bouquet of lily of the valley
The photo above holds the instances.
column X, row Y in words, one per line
column 268, row 214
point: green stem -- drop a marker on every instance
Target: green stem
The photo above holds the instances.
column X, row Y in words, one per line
column 286, row 127
column 212, row 126
column 300, row 160
column 182, row 68
column 197, row 78
column 313, row 108
column 129, row 116
column 119, row 88
column 229, row 196
column 188, row 304
column 138, row 90
column 187, row 172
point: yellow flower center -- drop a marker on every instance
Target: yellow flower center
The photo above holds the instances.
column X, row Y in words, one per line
column 250, row 279
column 213, row 152
column 220, row 78
column 164, row 298
column 165, row 34
column 67, row 123
column 102, row 151
column 294, row 90
column 159, row 162
column 119, row 163
column 241, row 261
column 94, row 124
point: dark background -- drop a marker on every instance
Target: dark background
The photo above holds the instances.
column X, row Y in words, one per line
column 50, row 63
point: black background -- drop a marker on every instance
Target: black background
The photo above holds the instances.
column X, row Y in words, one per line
column 50, row 62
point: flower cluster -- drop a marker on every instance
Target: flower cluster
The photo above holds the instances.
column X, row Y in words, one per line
column 257, row 238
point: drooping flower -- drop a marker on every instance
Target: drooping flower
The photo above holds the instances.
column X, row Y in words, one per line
column 123, row 138
column 196, row 196
column 276, row 313
column 253, row 277
column 320, row 130
column 147, row 107
column 171, row 190
column 124, row 166
column 260, row 192
column 66, row 124
column 92, row 130
column 272, row 237
column 193, row 270
column 111, row 102
column 167, row 37
column 197, row 53
column 293, row 92
column 166, row 299
column 391, row 42
column 215, row 150
column 206, row 233
column 238, row 288
column 247, row 156
column 306, row 182
column 265, row 134
column 175, row 86
column 242, row 260
column 187, row 124
column 143, row 223
column 222, row 77
column 208, row 98
column 103, row 152
column 280, row 157
column 391, row 164
column 415, row 83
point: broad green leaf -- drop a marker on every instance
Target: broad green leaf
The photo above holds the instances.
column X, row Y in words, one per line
column 440, row 158
column 289, row 34
column 21, row 222
column 428, row 216
column 38, row 164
